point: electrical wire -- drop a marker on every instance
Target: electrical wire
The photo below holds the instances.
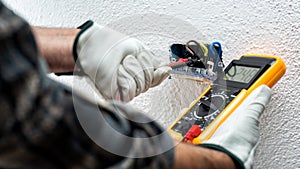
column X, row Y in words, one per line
column 200, row 45
column 212, row 48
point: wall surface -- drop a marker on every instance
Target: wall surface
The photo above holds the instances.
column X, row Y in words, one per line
column 253, row 26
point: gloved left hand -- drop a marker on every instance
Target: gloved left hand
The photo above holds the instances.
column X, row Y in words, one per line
column 238, row 136
column 121, row 67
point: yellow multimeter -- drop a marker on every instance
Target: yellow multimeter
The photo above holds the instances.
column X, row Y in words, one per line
column 219, row 100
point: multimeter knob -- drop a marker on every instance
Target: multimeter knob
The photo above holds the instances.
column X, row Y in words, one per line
column 209, row 105
column 202, row 110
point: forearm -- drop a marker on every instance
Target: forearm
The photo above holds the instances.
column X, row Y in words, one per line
column 194, row 157
column 56, row 46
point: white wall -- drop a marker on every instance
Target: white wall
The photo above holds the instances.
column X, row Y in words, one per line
column 253, row 26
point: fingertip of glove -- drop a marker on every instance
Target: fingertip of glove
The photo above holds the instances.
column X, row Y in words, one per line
column 160, row 74
column 128, row 60
column 263, row 94
column 264, row 88
column 165, row 70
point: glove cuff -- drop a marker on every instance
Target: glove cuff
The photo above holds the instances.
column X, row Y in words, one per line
column 83, row 28
column 237, row 162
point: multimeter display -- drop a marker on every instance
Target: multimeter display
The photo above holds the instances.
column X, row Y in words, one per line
column 213, row 106
column 241, row 73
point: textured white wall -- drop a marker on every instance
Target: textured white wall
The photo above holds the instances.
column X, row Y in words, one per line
column 253, row 26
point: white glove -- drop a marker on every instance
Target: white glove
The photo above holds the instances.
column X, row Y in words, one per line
column 120, row 66
column 238, row 136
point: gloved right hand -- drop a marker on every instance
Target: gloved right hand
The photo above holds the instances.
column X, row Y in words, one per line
column 121, row 67
column 238, row 136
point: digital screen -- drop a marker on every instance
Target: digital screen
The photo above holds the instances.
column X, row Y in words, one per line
column 241, row 74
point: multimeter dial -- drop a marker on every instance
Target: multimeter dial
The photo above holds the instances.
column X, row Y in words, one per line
column 205, row 110
column 208, row 106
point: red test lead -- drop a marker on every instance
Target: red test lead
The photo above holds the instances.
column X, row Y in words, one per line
column 194, row 132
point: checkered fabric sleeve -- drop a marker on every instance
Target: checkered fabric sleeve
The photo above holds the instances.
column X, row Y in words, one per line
column 44, row 125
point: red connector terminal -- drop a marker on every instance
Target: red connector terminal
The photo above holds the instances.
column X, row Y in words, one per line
column 194, row 132
column 179, row 63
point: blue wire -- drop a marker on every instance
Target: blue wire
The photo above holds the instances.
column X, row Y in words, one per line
column 211, row 47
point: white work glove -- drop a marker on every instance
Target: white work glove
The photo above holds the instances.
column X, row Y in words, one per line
column 121, row 67
column 238, row 136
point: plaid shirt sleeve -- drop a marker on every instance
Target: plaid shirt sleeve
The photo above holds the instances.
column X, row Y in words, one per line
column 41, row 121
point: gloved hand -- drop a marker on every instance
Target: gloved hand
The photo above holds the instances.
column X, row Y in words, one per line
column 238, row 136
column 121, row 67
